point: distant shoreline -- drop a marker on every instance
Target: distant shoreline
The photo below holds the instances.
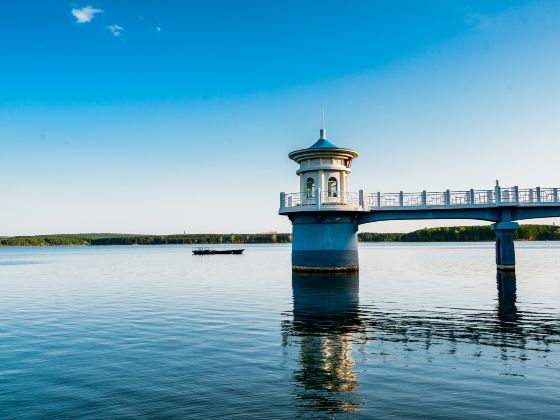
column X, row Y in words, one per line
column 444, row 234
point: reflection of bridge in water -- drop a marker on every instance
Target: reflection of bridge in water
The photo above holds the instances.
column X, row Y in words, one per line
column 330, row 327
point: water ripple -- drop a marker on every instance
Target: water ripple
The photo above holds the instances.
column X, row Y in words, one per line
column 154, row 332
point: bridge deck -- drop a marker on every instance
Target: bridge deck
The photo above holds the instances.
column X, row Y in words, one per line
column 492, row 205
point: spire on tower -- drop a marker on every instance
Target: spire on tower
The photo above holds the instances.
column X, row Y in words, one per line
column 323, row 131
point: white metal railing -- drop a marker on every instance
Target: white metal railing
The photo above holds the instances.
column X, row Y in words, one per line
column 321, row 198
column 425, row 199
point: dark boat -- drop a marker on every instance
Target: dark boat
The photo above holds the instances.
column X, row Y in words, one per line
column 206, row 251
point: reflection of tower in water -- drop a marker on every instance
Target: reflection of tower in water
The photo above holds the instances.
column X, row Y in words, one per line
column 325, row 318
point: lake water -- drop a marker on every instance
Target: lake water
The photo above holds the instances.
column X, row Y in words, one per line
column 424, row 330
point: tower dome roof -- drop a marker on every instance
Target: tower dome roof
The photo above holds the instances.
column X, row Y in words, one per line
column 322, row 147
column 323, row 144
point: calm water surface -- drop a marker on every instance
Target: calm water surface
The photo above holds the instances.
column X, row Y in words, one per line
column 424, row 330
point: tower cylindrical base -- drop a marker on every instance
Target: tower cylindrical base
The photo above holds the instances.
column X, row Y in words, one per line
column 324, row 242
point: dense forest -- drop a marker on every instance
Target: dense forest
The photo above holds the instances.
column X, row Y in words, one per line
column 444, row 234
column 464, row 233
column 127, row 239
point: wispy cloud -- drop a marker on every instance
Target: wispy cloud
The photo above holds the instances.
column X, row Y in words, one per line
column 116, row 29
column 85, row 14
column 483, row 22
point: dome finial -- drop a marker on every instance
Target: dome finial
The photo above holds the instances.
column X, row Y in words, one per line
column 323, row 131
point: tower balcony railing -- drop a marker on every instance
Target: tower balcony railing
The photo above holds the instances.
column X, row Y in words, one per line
column 358, row 201
column 339, row 200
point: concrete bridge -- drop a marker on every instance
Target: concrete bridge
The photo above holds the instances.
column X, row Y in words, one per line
column 325, row 216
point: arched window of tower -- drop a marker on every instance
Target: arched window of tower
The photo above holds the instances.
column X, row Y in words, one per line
column 332, row 186
column 310, row 185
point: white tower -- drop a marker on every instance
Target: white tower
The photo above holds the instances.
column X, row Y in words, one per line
column 324, row 170
column 324, row 212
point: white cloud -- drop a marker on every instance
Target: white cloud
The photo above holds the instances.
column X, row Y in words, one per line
column 85, row 14
column 115, row 29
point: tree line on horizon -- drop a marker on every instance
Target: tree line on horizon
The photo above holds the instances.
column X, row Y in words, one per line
column 131, row 239
column 464, row 234
column 441, row 234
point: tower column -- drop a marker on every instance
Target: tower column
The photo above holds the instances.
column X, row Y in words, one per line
column 324, row 242
column 505, row 249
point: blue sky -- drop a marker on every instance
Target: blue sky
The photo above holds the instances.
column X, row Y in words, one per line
column 161, row 117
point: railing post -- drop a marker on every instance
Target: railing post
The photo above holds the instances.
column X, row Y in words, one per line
column 378, row 199
column 531, row 195
column 471, row 192
column 498, row 194
column 555, row 195
column 401, row 199
column 361, row 199
column 318, row 198
column 447, row 197
column 538, row 194
column 424, row 198
column 516, row 194
column 282, row 199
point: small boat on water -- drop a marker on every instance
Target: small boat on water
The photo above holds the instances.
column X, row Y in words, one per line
column 209, row 251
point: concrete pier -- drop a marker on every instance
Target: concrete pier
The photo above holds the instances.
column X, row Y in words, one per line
column 505, row 248
column 324, row 242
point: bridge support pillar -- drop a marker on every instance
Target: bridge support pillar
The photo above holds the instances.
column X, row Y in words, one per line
column 505, row 248
column 324, row 242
